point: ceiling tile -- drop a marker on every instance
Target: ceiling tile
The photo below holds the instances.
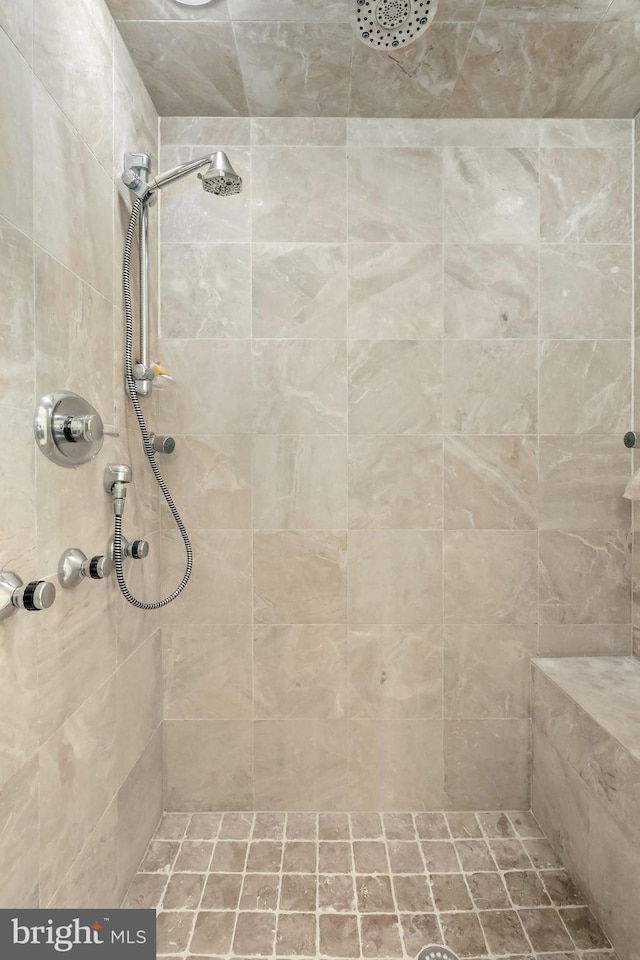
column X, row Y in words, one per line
column 624, row 10
column 415, row 81
column 518, row 69
column 606, row 76
column 458, row 11
column 543, row 10
column 290, row 9
column 166, row 10
column 295, row 69
column 189, row 69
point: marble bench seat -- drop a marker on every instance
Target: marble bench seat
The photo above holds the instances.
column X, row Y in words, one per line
column 586, row 782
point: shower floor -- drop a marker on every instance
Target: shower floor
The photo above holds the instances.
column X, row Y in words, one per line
column 336, row 885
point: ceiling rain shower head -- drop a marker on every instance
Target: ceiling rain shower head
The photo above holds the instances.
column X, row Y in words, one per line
column 220, row 177
column 389, row 24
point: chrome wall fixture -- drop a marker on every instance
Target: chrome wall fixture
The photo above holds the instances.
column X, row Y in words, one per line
column 74, row 566
column 68, row 430
column 16, row 595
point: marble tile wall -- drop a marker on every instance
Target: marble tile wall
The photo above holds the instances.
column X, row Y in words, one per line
column 403, row 369
column 586, row 772
column 499, row 58
column 636, row 383
column 80, row 704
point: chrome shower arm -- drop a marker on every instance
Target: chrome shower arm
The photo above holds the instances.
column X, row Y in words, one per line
column 176, row 173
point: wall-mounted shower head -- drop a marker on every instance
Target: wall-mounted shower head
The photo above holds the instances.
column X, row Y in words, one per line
column 220, row 177
column 388, row 24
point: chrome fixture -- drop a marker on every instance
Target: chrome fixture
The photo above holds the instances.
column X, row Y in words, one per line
column 115, row 479
column 131, row 549
column 68, row 430
column 193, row 3
column 74, row 566
column 219, row 178
column 162, row 444
column 16, row 595
column 390, row 24
column 631, row 439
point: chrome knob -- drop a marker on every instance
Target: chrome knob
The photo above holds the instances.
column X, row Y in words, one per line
column 16, row 595
column 36, row 595
column 162, row 444
column 88, row 428
column 74, row 566
column 137, row 549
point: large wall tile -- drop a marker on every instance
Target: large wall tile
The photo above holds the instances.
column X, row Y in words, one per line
column 19, row 704
column 289, row 194
column 178, row 70
column 138, row 704
column 300, row 671
column 73, row 57
column 207, row 672
column 299, row 386
column 395, row 576
column 417, row 81
column 585, row 196
column 585, row 386
column 487, row 671
column 289, row 10
column 220, row 589
column 487, row 764
column 206, row 130
column 395, row 764
column 205, row 290
column 395, row 387
column 211, row 478
column 299, row 290
column 16, row 19
column 312, row 76
column 299, row 482
column 472, row 404
column 585, row 291
column 208, row 764
column 77, row 782
column 585, row 133
column 585, row 577
column 378, row 211
column 188, row 215
column 18, row 525
column 562, row 10
column 158, row 10
column 584, row 640
column 395, row 483
column 17, row 326
column 19, row 839
column 93, row 877
column 491, row 195
column 74, row 336
column 135, row 119
column 497, row 79
column 607, row 83
column 298, row 131
column 490, row 290
column 214, row 387
column 301, row 764
column 16, row 165
column 395, row 671
column 581, row 481
column 490, row 483
column 140, row 806
column 300, row 577
column 395, row 290
column 490, row 576
column 69, row 220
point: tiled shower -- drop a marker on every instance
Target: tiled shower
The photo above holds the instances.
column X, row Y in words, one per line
column 402, row 367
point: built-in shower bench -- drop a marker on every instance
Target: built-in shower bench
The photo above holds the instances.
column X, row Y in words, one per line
column 586, row 782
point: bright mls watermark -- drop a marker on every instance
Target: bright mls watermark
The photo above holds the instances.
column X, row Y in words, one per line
column 117, row 934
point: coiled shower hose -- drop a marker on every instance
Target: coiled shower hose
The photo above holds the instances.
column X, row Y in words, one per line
column 148, row 446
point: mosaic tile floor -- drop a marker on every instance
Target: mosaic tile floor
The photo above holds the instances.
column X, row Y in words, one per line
column 335, row 885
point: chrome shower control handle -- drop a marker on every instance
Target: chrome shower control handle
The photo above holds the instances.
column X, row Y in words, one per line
column 137, row 549
column 16, row 595
column 74, row 566
column 88, row 428
column 36, row 595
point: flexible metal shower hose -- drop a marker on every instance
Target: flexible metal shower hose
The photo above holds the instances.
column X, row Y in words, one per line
column 148, row 446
